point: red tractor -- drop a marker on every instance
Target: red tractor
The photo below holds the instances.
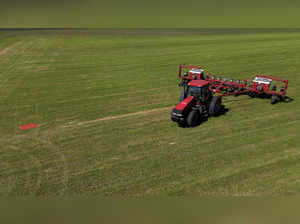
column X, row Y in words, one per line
column 198, row 100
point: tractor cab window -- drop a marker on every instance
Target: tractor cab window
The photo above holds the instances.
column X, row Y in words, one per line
column 195, row 91
column 201, row 92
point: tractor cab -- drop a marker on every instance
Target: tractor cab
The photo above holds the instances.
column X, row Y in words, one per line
column 195, row 74
column 198, row 89
column 196, row 104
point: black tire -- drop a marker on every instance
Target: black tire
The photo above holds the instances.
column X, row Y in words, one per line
column 193, row 118
column 274, row 99
column 252, row 94
column 215, row 106
column 236, row 93
column 182, row 96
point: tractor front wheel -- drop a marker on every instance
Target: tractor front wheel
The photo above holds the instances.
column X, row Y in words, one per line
column 252, row 94
column 193, row 118
column 215, row 106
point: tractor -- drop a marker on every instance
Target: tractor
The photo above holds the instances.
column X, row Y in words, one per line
column 201, row 96
column 196, row 102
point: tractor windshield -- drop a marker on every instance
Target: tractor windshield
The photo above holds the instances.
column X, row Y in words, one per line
column 195, row 91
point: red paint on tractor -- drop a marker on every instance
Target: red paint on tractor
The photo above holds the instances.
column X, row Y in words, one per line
column 198, row 83
column 183, row 104
column 28, row 126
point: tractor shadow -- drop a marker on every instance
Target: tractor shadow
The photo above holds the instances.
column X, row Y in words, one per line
column 288, row 99
column 223, row 111
column 284, row 99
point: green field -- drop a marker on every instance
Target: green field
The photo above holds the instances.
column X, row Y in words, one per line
column 103, row 98
column 150, row 14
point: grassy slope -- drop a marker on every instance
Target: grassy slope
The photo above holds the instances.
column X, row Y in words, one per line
column 71, row 83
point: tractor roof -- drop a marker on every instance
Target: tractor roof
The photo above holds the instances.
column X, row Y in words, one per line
column 198, row 83
column 197, row 70
column 262, row 80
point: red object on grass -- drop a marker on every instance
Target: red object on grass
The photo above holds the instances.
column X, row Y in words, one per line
column 28, row 126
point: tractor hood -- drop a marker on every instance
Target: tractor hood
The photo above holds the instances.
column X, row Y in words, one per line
column 184, row 103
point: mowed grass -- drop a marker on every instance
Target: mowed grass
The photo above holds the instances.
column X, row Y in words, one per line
column 103, row 104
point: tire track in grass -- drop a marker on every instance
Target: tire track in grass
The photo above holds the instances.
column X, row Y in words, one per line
column 11, row 169
column 144, row 112
column 95, row 169
column 133, row 183
column 181, row 168
column 261, row 130
column 90, row 169
column 12, row 78
column 19, row 58
column 223, row 183
column 206, row 140
column 62, row 158
column 245, row 123
column 207, row 156
column 10, row 48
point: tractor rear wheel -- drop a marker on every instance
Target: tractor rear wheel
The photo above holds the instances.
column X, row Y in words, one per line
column 274, row 99
column 215, row 106
column 193, row 118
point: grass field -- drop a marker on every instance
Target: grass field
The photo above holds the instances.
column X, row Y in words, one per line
column 103, row 100
column 150, row 14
